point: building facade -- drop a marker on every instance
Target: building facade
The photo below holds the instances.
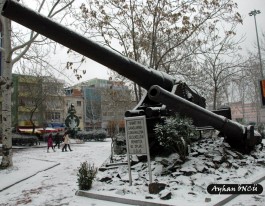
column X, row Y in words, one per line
column 36, row 101
column 247, row 113
column 105, row 102
column 40, row 101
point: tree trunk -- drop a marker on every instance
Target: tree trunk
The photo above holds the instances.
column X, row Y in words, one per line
column 6, row 94
column 136, row 92
column 215, row 98
column 140, row 93
column 6, row 123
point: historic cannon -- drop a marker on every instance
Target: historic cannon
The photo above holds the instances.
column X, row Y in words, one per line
column 143, row 76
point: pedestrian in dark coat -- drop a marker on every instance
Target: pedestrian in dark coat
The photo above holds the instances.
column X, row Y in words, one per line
column 57, row 140
column 50, row 143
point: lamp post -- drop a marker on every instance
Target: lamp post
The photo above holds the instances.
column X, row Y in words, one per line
column 254, row 13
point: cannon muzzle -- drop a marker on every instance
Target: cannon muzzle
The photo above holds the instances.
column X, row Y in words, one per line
column 126, row 67
column 238, row 136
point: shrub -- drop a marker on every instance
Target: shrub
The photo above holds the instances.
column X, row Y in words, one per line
column 97, row 135
column 100, row 135
column 86, row 175
column 174, row 135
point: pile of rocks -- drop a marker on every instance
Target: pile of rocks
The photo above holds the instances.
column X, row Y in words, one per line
column 210, row 161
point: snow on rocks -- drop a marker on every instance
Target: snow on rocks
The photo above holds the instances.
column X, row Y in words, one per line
column 210, row 162
column 165, row 194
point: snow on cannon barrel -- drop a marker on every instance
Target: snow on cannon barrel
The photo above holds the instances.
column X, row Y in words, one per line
column 240, row 137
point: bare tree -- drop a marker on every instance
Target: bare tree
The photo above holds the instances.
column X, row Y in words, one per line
column 253, row 96
column 116, row 101
column 218, row 62
column 245, row 87
column 154, row 33
column 40, row 96
column 16, row 46
column 93, row 107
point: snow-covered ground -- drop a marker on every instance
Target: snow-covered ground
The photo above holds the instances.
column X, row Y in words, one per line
column 51, row 178
column 55, row 186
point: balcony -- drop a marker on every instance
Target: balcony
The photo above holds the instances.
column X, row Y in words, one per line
column 26, row 109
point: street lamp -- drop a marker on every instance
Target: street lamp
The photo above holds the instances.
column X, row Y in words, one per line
column 254, row 13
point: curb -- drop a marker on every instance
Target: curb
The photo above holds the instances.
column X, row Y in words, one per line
column 117, row 199
column 1, row 190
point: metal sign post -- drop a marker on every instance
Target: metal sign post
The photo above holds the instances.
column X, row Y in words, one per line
column 262, row 90
column 137, row 141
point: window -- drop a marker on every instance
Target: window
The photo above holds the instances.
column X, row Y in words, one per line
column 78, row 103
column 53, row 116
column 68, row 103
column 21, row 102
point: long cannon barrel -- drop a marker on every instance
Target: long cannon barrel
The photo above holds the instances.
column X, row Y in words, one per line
column 128, row 68
column 242, row 138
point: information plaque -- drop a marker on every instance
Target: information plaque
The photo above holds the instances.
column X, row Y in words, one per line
column 136, row 135
column 137, row 140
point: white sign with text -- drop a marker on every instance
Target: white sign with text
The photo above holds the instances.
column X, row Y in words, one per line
column 136, row 134
column 137, row 140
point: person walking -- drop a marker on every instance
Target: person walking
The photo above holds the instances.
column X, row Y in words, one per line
column 66, row 143
column 50, row 143
column 57, row 140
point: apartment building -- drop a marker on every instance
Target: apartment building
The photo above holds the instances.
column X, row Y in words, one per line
column 36, row 100
column 105, row 102
column 43, row 100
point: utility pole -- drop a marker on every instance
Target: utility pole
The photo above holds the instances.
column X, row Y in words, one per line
column 262, row 83
column 254, row 13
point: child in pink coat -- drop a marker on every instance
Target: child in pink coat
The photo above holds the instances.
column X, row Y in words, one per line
column 50, row 143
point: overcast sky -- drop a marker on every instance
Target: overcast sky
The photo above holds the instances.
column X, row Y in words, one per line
column 248, row 27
